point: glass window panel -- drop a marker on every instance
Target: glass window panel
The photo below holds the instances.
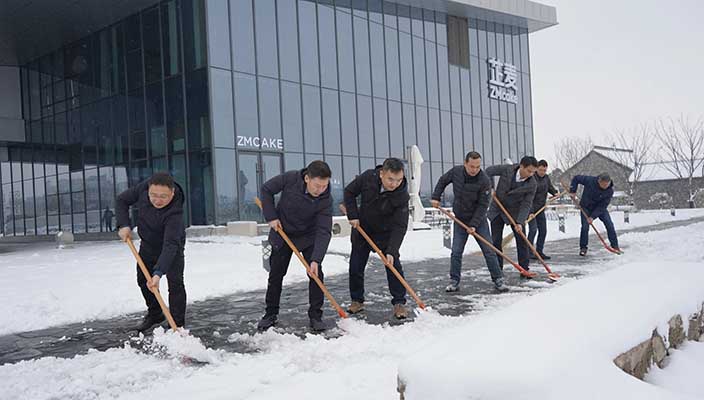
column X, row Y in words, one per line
column 269, row 110
column 500, row 54
column 170, row 38
column 351, row 168
column 152, row 50
column 345, row 51
column 241, row 19
column 419, row 71
column 409, row 125
column 223, row 121
column 361, row 55
column 375, row 11
column 482, row 40
column 219, row 34
column 465, row 91
column 484, row 89
column 446, row 128
column 328, row 47
column 473, row 42
column 520, row 140
column 348, row 120
column 265, row 23
column 455, row 95
column 432, row 71
column 392, row 67
column 194, row 33
column 246, row 113
column 496, row 141
column 312, row 130
column 404, row 20
column 376, row 34
column 197, row 98
column 417, row 22
column 429, row 20
column 291, row 114
column 468, row 132
column 226, row 182
column 366, row 129
column 422, row 131
column 293, row 161
column 336, row 182
column 458, row 144
column 396, row 129
column 201, row 184
column 288, row 39
column 308, row 30
column 435, row 134
column 155, row 120
column 525, row 60
column 331, row 122
column 527, row 102
column 491, row 39
column 443, row 79
column 175, row 125
column 441, row 28
column 406, row 67
column 381, row 128
column 512, row 141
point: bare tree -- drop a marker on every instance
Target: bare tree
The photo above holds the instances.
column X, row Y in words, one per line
column 570, row 150
column 639, row 143
column 683, row 148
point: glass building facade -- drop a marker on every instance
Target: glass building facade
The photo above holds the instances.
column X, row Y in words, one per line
column 225, row 94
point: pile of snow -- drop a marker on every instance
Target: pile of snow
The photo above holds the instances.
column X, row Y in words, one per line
column 561, row 343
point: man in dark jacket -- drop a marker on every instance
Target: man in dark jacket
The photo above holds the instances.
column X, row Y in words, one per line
column 515, row 190
column 539, row 224
column 597, row 194
column 472, row 192
column 383, row 214
column 304, row 212
column 163, row 238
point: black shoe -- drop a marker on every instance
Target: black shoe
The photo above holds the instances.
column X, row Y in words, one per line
column 545, row 257
column 267, row 322
column 524, row 276
column 318, row 325
column 583, row 251
column 149, row 321
column 167, row 326
column 499, row 286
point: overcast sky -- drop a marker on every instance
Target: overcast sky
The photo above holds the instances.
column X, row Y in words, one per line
column 613, row 64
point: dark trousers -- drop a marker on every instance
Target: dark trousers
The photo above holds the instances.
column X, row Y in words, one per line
column 538, row 225
column 497, row 233
column 610, row 230
column 177, row 291
column 108, row 225
column 459, row 240
column 358, row 262
column 278, row 263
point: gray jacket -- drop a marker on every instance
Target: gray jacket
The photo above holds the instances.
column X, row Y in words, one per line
column 516, row 197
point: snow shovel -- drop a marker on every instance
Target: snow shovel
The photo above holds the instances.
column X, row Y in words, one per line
column 527, row 274
column 509, row 237
column 387, row 263
column 553, row 276
column 601, row 238
column 313, row 276
column 148, row 276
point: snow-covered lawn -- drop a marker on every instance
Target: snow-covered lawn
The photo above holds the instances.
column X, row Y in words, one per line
column 557, row 343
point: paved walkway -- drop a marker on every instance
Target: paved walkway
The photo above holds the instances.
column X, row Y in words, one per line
column 214, row 320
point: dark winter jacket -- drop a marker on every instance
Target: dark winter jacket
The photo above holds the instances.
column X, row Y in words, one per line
column 161, row 230
column 307, row 220
column 544, row 186
column 516, row 197
column 595, row 200
column 379, row 212
column 472, row 194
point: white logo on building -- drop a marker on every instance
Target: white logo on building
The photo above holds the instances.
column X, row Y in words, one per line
column 260, row 143
column 503, row 81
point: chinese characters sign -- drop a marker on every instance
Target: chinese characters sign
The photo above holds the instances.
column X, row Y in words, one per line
column 503, row 81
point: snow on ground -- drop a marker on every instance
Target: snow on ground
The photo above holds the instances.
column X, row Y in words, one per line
column 561, row 343
column 98, row 280
column 683, row 373
column 660, row 275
